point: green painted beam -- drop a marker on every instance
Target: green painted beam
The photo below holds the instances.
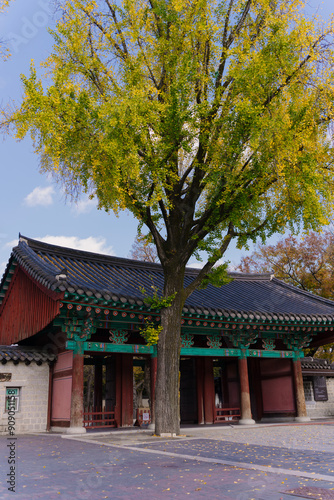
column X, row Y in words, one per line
column 185, row 351
column 252, row 353
column 206, row 351
column 259, row 353
column 108, row 347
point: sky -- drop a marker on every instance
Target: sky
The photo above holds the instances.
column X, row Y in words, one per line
column 31, row 203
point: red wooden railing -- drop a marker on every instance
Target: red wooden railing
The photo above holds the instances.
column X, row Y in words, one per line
column 99, row 419
column 226, row 414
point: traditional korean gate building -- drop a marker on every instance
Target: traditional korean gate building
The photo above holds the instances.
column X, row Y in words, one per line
column 242, row 344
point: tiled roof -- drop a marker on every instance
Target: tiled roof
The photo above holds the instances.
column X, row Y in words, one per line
column 24, row 354
column 320, row 366
column 259, row 296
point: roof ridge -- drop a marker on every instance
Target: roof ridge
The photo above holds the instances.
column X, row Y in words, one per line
column 84, row 254
column 251, row 276
column 23, row 348
column 303, row 292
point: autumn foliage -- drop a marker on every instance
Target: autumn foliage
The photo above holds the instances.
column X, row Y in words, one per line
column 307, row 262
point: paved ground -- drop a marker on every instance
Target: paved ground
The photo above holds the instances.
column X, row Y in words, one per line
column 265, row 462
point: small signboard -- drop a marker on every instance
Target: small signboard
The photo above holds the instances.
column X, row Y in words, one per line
column 12, row 398
column 146, row 417
column 5, row 377
column 320, row 388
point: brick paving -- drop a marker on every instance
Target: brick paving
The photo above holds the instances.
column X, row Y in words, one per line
column 210, row 463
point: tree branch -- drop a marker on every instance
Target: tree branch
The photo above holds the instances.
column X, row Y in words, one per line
column 119, row 31
column 209, row 265
column 227, row 42
column 94, row 21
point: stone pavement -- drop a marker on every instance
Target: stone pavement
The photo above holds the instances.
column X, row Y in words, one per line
column 262, row 462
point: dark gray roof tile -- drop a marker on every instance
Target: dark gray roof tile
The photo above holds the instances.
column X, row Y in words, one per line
column 24, row 354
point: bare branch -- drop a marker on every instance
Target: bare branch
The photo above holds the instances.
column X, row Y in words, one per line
column 209, row 265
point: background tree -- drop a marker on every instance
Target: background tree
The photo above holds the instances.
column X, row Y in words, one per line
column 307, row 263
column 143, row 249
column 208, row 120
column 323, row 352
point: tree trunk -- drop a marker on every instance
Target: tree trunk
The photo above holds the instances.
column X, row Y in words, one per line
column 167, row 404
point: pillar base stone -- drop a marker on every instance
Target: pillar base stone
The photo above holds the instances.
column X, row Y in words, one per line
column 76, row 430
column 302, row 419
column 246, row 421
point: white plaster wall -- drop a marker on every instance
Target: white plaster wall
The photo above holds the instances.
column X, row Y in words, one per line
column 33, row 381
column 319, row 409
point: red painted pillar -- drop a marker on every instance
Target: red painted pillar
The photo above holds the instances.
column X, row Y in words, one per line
column 127, row 390
column 98, row 385
column 200, row 389
column 76, row 421
column 153, row 375
column 209, row 391
column 245, row 403
column 118, row 389
column 124, row 390
column 299, row 390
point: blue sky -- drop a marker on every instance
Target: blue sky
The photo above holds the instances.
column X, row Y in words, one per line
column 31, row 203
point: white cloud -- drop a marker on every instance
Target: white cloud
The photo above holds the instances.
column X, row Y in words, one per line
column 90, row 244
column 40, row 196
column 11, row 244
column 2, row 268
column 196, row 264
column 84, row 205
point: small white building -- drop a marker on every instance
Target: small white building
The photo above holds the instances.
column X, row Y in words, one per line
column 318, row 376
column 24, row 389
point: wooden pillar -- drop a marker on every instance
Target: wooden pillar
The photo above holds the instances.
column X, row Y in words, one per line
column 299, row 391
column 257, row 388
column 153, row 376
column 245, row 403
column 98, row 385
column 110, row 382
column 200, row 389
column 48, row 422
column 76, row 421
column 118, row 389
column 124, row 390
column 209, row 391
column 127, row 390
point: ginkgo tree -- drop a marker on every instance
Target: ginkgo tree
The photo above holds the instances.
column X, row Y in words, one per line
column 208, row 120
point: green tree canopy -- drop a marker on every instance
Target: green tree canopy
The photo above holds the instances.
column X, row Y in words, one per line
column 208, row 120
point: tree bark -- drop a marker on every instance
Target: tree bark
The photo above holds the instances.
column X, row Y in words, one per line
column 167, row 401
column 299, row 388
